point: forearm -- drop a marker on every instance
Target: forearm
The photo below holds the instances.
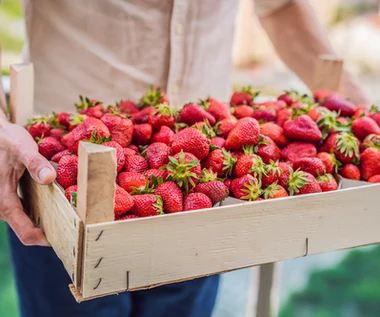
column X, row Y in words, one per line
column 299, row 39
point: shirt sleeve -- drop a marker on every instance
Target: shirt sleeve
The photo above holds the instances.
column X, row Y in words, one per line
column 266, row 7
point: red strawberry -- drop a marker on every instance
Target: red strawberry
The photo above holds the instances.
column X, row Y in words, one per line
column 246, row 132
column 249, row 164
column 126, row 217
column 374, row 179
column 163, row 116
column 370, row 163
column 127, row 106
column 218, row 142
column 375, row 114
column 142, row 133
column 127, row 152
column 276, row 105
column 135, row 163
column 283, row 116
column 284, row 174
column 123, row 201
column 327, row 183
column 184, row 169
column 275, row 132
column 338, row 104
column 197, row 201
column 264, row 114
column 67, row 171
column 215, row 190
column 75, row 120
column 267, row 150
column 243, row 111
column 165, row 135
column 322, row 94
column 220, row 162
column 360, row 112
column 331, row 163
column 227, row 182
column 131, row 181
column 295, row 150
column 39, row 128
column 224, row 127
column 59, row 155
column 371, row 140
column 192, row 141
column 121, row 128
column 217, row 109
column 287, row 98
column 272, row 174
column 63, row 119
column 246, row 187
column 147, row 205
column 150, row 173
column 315, row 113
column 71, row 194
column 244, row 96
column 302, row 128
column 365, row 126
column 274, row 191
column 57, row 133
column 350, row 171
column 91, row 108
column 49, row 146
column 120, row 157
column 312, row 165
column 344, row 145
column 84, row 131
column 133, row 147
column 157, row 155
column 301, row 183
column 192, row 113
column 171, row 196
column 143, row 116
column 153, row 97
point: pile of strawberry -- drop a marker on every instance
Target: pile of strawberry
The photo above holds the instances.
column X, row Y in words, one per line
column 170, row 161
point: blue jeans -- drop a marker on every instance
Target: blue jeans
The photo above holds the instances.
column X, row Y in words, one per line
column 42, row 285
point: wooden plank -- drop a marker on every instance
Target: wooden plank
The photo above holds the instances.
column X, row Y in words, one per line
column 142, row 253
column 327, row 73
column 22, row 93
column 96, row 183
column 54, row 215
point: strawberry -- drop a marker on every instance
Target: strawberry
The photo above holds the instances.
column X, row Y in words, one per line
column 330, row 162
column 135, row 163
column 127, row 106
column 197, row 201
column 274, row 191
column 126, row 217
column 63, row 119
column 244, row 96
column 275, row 132
column 285, row 174
column 370, row 163
column 142, row 133
column 67, row 171
column 57, row 133
column 215, row 190
column 172, row 197
column 89, row 127
column 75, row 120
column 301, row 183
column 295, row 150
column 287, row 98
column 192, row 113
column 283, row 115
column 350, row 171
column 371, row 140
column 217, row 109
column 360, row 112
column 165, row 135
column 365, row 126
column 153, row 97
column 143, row 116
column 276, row 105
column 184, row 169
column 374, row 179
column 71, row 194
column 163, row 116
column 302, row 128
column 192, row 141
column 120, row 127
column 272, row 174
column 152, row 173
column 127, row 152
column 123, row 201
column 49, row 146
column 338, row 104
column 237, row 154
column 344, row 145
column 267, row 149
column 224, row 127
column 327, row 182
column 38, row 128
column 220, row 162
column 246, row 187
column 227, row 182
column 91, row 108
column 322, row 94
column 246, row 132
column 315, row 113
column 242, row 111
column 120, row 157
column 131, row 181
column 133, row 147
column 218, row 142
column 264, row 114
column 249, row 164
column 157, row 154
column 312, row 165
column 374, row 113
column 147, row 205
column 59, row 155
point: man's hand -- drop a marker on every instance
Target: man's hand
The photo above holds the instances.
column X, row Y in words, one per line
column 17, row 152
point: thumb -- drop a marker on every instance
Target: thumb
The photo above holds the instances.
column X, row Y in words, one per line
column 39, row 167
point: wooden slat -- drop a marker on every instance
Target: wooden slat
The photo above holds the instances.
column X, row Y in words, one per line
column 142, row 253
column 327, row 73
column 96, row 183
column 59, row 221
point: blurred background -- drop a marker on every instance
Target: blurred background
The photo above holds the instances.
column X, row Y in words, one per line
column 337, row 284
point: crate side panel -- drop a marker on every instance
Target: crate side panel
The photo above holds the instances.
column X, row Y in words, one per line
column 140, row 253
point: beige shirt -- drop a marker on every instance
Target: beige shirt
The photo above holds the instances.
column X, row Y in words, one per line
column 114, row 49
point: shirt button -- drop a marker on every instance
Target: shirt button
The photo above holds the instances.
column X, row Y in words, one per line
column 174, row 89
column 179, row 29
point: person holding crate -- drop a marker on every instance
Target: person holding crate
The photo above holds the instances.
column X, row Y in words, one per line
column 114, row 48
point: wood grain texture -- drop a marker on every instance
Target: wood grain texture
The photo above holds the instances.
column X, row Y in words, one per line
column 59, row 221
column 96, row 183
column 327, row 73
column 142, row 253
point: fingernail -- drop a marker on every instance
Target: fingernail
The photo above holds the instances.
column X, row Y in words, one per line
column 44, row 173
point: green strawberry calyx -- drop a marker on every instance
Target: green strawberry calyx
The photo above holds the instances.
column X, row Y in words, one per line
column 76, row 119
column 147, row 189
column 374, row 109
column 98, row 139
column 258, row 167
column 159, row 205
column 269, row 191
column 347, row 144
column 297, row 180
column 372, row 140
column 326, row 178
column 228, row 162
column 208, row 176
column 252, row 189
column 86, row 103
column 73, row 199
column 163, row 109
column 272, row 168
column 151, row 98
